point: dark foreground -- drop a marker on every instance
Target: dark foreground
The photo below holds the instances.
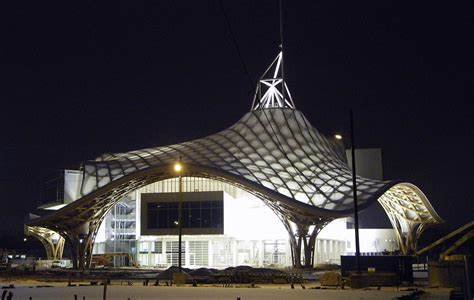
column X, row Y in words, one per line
column 272, row 292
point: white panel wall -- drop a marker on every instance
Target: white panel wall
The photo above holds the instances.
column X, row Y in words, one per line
column 72, row 185
column 248, row 218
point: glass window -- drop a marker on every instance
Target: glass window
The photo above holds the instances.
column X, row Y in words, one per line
column 172, row 252
column 158, row 247
column 274, row 252
column 196, row 214
column 199, row 253
column 144, row 246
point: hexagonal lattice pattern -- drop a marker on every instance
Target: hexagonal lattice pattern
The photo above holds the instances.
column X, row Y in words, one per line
column 52, row 242
column 409, row 212
column 275, row 148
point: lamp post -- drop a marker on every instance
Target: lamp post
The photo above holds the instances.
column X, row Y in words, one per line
column 178, row 168
column 354, row 191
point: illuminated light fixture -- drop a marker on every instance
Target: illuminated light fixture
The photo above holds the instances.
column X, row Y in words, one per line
column 24, row 239
column 338, row 136
column 178, row 167
column 176, row 222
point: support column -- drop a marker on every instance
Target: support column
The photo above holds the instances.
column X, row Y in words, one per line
column 408, row 239
column 407, row 231
column 303, row 241
column 410, row 213
column 53, row 243
column 81, row 240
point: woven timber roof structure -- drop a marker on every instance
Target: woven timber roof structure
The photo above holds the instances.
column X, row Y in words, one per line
column 273, row 152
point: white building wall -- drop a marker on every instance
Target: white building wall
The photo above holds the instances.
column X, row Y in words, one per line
column 372, row 240
column 247, row 218
column 72, row 185
column 253, row 234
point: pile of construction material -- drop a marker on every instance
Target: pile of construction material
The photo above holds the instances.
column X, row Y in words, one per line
column 240, row 274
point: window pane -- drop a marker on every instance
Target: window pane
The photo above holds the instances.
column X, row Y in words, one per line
column 196, row 214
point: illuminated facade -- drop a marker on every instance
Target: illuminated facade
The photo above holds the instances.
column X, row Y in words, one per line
column 252, row 233
column 273, row 154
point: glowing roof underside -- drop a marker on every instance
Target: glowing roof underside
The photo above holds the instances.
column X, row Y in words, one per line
column 275, row 148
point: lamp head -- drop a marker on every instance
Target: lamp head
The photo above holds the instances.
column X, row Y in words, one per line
column 178, row 167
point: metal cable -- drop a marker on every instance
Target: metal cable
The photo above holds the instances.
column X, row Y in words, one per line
column 236, row 45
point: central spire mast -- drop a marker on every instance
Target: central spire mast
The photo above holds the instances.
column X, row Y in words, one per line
column 282, row 51
column 272, row 91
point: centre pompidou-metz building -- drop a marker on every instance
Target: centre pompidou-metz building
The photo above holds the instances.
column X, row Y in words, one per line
column 273, row 152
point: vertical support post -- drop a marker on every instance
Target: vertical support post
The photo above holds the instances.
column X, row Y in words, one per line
column 104, row 295
column 180, row 217
column 467, row 280
column 81, row 241
column 354, row 190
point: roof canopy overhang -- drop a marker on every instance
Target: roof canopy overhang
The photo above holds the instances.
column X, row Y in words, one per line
column 272, row 151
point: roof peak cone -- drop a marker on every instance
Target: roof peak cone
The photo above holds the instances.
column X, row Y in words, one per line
column 272, row 90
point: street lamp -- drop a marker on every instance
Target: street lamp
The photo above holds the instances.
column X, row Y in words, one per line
column 338, row 137
column 354, row 193
column 178, row 168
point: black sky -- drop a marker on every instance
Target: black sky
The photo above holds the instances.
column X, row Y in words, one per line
column 86, row 77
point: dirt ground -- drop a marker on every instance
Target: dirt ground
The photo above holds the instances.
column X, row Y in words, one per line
column 36, row 289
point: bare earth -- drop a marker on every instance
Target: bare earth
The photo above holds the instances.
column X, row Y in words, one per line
column 58, row 290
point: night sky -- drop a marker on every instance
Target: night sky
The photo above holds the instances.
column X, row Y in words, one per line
column 81, row 78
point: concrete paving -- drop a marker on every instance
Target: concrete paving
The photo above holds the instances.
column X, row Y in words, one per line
column 232, row 293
